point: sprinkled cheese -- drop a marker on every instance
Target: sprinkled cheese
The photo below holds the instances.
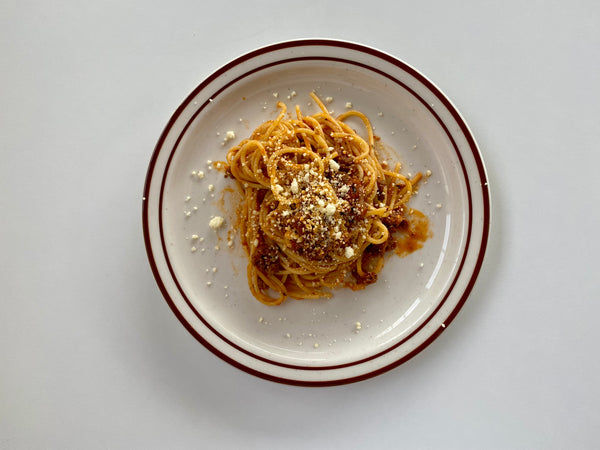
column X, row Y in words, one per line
column 216, row 222
column 349, row 252
column 229, row 135
column 330, row 209
column 333, row 165
column 349, row 105
column 328, row 99
column 277, row 188
column 294, row 186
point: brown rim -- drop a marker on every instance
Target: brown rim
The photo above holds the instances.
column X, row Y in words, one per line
column 439, row 96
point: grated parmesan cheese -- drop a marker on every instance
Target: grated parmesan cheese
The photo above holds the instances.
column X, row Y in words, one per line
column 216, row 222
column 330, row 209
column 294, row 186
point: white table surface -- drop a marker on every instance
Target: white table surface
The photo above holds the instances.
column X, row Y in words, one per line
column 92, row 357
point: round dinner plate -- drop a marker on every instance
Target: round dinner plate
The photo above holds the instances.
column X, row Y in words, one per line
column 201, row 270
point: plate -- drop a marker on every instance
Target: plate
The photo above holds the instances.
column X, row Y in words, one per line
column 355, row 335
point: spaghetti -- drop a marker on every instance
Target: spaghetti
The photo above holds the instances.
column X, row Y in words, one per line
column 319, row 208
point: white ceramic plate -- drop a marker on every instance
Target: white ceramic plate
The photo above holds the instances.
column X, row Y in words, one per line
column 315, row 342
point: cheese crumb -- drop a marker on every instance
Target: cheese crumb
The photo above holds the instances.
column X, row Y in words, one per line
column 200, row 174
column 333, row 165
column 277, row 188
column 294, row 186
column 349, row 252
column 216, row 222
column 328, row 99
column 349, row 105
column 330, row 209
column 211, row 187
column 428, row 173
column 194, row 237
column 230, row 135
column 357, row 326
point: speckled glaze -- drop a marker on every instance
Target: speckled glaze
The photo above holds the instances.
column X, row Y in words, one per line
column 201, row 269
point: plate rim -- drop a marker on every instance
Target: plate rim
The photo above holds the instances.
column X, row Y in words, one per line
column 472, row 277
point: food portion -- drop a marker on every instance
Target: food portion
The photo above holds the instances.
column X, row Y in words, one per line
column 319, row 208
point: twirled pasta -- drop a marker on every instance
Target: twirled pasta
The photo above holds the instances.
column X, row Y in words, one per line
column 319, row 208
